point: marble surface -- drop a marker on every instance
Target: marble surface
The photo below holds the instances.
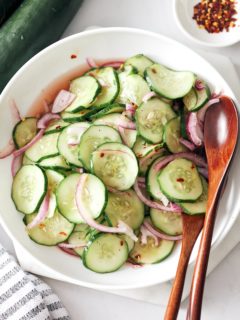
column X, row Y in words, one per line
column 222, row 291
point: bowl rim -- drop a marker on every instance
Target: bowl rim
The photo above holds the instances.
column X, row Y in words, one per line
column 22, row 70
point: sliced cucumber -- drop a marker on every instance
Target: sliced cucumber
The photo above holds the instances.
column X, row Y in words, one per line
column 171, row 136
column 169, row 83
column 129, row 241
column 52, row 205
column 50, row 231
column 201, row 97
column 78, row 237
column 109, row 92
column 183, row 125
column 151, row 117
column 107, row 253
column 111, row 120
column 112, row 108
column 29, row 188
column 81, row 227
column 142, row 148
column 53, row 178
column 132, row 88
column 167, row 222
column 54, row 163
column 45, row 147
column 150, row 253
column 26, row 160
column 125, row 206
column 92, row 138
column 56, row 126
column 140, row 62
column 24, row 131
column 68, row 151
column 116, row 165
column 129, row 136
column 86, row 89
column 77, row 117
column 200, row 205
column 145, row 162
column 180, row 181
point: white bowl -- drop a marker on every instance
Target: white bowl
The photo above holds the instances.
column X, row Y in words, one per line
column 51, row 64
column 183, row 11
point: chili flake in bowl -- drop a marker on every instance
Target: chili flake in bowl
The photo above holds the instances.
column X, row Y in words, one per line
column 213, row 23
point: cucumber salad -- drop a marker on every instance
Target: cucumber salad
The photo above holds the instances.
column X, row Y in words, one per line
column 106, row 172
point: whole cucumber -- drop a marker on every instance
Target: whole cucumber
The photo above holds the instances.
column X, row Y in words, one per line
column 7, row 7
column 33, row 26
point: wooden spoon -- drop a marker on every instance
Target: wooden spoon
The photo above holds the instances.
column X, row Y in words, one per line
column 220, row 138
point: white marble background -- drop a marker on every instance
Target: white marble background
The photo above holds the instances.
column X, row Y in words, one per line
column 222, row 291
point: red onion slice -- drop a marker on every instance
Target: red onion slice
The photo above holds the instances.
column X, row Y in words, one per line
column 153, row 204
column 91, row 63
column 149, row 155
column 127, row 124
column 201, row 113
column 145, row 233
column 160, row 234
column 7, row 150
column 203, row 172
column 199, row 85
column 121, row 228
column 69, row 251
column 16, row 164
column 187, row 155
column 16, row 117
column 187, row 144
column 148, row 96
column 44, row 121
column 194, row 129
column 114, row 64
column 42, row 213
column 62, row 101
column 29, row 144
column 72, row 246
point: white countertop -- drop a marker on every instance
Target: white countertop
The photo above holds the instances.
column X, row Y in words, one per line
column 222, row 291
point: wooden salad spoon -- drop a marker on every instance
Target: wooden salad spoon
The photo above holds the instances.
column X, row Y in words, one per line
column 220, row 139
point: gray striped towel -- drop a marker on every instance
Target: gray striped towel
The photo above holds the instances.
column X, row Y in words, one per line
column 24, row 296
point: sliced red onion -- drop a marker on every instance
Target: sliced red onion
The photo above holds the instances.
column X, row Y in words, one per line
column 16, row 117
column 79, row 170
column 131, row 107
column 42, row 213
column 187, row 144
column 69, row 251
column 7, row 150
column 203, row 172
column 160, row 234
column 72, row 246
column 153, row 204
column 91, row 63
column 44, row 121
column 194, row 129
column 201, row 113
column 148, row 96
column 141, row 179
column 62, row 101
column 187, row 155
column 145, row 233
column 149, row 155
column 127, row 124
column 199, row 85
column 16, row 164
column 114, row 64
column 121, row 228
column 29, row 144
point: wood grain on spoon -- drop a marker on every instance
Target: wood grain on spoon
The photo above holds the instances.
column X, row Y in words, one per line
column 220, row 138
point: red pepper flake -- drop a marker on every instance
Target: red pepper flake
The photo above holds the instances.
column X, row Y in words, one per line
column 154, row 70
column 101, row 155
column 121, row 243
column 58, row 127
column 62, row 233
column 73, row 56
column 215, row 15
column 137, row 256
column 180, row 180
column 193, row 166
column 42, row 225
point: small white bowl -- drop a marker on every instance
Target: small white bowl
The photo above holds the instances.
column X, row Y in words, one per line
column 183, row 11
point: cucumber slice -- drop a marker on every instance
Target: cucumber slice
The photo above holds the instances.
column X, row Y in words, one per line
column 92, row 138
column 113, row 108
column 110, row 90
column 167, row 222
column 125, row 206
column 117, row 167
column 107, row 253
column 129, row 136
column 169, row 83
column 54, row 163
column 129, row 241
column 77, row 117
column 111, row 120
column 145, row 162
column 56, row 126
column 24, row 131
column 150, row 253
column 140, row 62
column 86, row 89
column 142, row 148
column 70, row 152
column 180, row 181
column 200, row 205
column 53, row 178
column 78, row 238
column 45, row 147
column 26, row 160
column 171, row 136
column 132, row 88
column 29, row 188
column 50, row 231
column 201, row 97
column 151, row 117
column 183, row 125
column 81, row 227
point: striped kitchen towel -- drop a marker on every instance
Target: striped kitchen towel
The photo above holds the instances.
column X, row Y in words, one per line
column 24, row 296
